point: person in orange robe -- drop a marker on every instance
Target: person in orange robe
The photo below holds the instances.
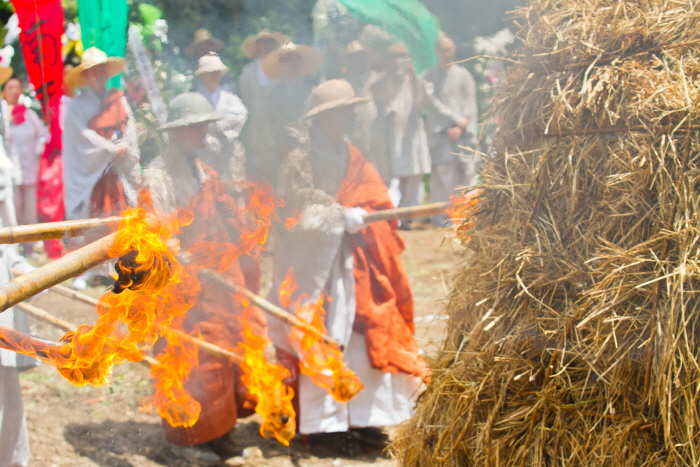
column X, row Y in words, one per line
column 178, row 179
column 332, row 251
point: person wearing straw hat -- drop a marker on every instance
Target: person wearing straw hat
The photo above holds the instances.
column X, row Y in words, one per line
column 282, row 107
column 451, row 122
column 203, row 43
column 356, row 66
column 253, row 80
column 179, row 179
column 223, row 145
column 333, row 253
column 100, row 147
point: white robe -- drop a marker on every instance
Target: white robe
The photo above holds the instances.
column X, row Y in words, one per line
column 87, row 155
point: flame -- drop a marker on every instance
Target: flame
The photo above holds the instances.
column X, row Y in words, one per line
column 294, row 220
column 265, row 381
column 172, row 401
column 88, row 354
column 321, row 362
column 462, row 213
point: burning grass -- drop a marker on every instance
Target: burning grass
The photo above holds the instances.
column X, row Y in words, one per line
column 573, row 328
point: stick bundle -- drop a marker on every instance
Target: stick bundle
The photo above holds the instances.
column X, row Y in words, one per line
column 573, row 329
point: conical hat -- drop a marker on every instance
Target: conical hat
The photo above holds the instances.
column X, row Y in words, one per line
column 5, row 74
column 204, row 42
column 310, row 56
column 332, row 94
column 248, row 46
column 91, row 58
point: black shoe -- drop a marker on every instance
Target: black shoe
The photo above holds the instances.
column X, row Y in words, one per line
column 342, row 442
column 225, row 446
column 200, row 455
column 370, row 437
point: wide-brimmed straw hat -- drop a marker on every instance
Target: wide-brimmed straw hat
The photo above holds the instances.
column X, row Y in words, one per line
column 203, row 43
column 189, row 108
column 91, row 58
column 332, row 94
column 210, row 63
column 5, row 74
column 248, row 46
column 355, row 47
column 310, row 56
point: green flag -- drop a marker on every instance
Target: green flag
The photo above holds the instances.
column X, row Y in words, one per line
column 407, row 21
column 103, row 24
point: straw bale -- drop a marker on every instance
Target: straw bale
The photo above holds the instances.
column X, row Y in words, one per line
column 574, row 332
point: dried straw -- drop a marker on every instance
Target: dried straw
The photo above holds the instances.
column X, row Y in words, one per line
column 574, row 330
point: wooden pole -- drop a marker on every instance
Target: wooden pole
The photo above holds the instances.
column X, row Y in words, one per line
column 73, row 264
column 274, row 310
column 47, row 317
column 408, row 213
column 53, row 230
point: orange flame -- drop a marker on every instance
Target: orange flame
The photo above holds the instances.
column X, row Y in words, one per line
column 462, row 213
column 294, row 220
column 321, row 362
column 172, row 401
column 265, row 381
column 90, row 352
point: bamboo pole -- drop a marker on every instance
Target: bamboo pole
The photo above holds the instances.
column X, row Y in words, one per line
column 274, row 310
column 211, row 349
column 53, row 230
column 73, row 264
column 66, row 292
column 47, row 317
column 408, row 213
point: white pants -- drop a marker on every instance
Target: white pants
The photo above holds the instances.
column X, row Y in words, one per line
column 412, row 192
column 446, row 178
column 25, row 204
column 14, row 438
column 386, row 400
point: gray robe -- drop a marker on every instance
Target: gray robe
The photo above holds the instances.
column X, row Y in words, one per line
column 453, row 97
column 391, row 130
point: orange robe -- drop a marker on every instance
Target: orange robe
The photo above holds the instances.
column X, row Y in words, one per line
column 384, row 301
column 215, row 383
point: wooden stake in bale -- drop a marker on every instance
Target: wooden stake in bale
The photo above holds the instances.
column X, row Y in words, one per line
column 573, row 330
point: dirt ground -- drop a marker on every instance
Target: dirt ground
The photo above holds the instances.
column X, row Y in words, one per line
column 88, row 427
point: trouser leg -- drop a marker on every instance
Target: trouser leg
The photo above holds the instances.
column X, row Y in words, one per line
column 14, row 437
column 442, row 187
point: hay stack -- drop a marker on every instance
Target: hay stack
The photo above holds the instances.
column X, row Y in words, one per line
column 574, row 330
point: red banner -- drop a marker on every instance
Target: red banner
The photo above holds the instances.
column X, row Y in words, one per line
column 42, row 26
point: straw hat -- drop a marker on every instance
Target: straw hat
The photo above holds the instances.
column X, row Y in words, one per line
column 189, row 108
column 204, row 43
column 248, row 46
column 399, row 49
column 5, row 74
column 374, row 37
column 332, row 94
column 210, row 63
column 310, row 56
column 91, row 58
column 355, row 47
